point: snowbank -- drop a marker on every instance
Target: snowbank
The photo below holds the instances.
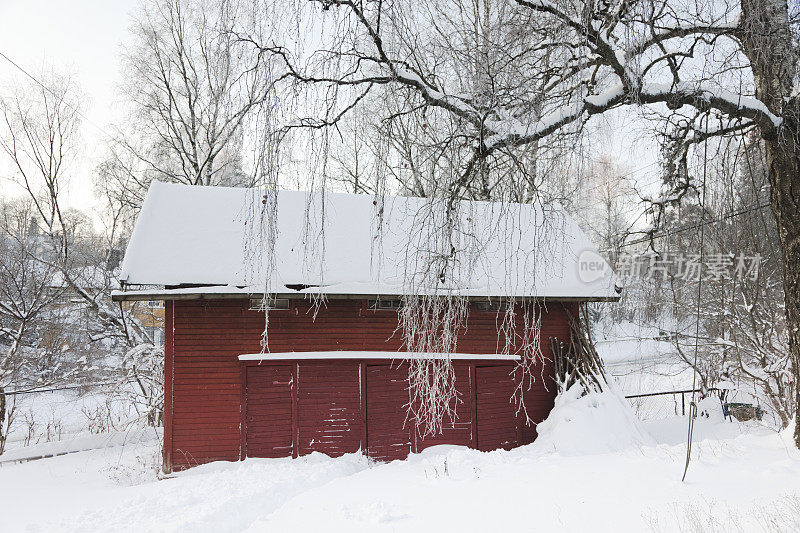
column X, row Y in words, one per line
column 600, row 422
column 82, row 443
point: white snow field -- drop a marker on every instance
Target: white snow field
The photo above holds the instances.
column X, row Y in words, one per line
column 595, row 467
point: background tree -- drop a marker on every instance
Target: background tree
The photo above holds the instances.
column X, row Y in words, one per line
column 27, row 292
column 191, row 90
column 39, row 139
column 83, row 328
column 607, row 205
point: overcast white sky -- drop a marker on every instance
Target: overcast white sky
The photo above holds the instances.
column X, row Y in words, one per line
column 82, row 38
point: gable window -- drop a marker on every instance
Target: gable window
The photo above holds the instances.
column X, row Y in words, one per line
column 259, row 304
column 493, row 306
column 377, row 305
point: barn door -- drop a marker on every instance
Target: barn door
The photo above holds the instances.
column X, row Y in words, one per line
column 458, row 428
column 496, row 413
column 268, row 411
column 329, row 408
column 388, row 434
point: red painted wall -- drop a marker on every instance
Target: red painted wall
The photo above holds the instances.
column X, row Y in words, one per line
column 204, row 392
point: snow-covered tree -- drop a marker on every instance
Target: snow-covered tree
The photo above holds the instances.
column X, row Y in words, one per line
column 74, row 267
column 26, row 296
column 704, row 70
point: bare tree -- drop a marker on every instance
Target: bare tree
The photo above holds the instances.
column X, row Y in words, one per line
column 741, row 316
column 26, row 294
column 355, row 157
column 192, row 89
column 606, row 198
column 39, row 139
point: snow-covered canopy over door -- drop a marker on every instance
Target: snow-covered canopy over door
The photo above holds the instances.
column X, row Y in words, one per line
column 359, row 244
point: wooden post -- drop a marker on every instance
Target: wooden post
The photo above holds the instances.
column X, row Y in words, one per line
column 295, row 414
column 473, row 392
column 362, row 391
column 243, row 416
column 169, row 353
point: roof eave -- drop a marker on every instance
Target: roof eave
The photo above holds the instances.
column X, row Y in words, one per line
column 167, row 294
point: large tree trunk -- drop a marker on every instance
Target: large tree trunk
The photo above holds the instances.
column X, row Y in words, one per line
column 783, row 158
column 766, row 39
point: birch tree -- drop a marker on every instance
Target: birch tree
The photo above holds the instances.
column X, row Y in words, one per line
column 703, row 70
column 604, row 205
column 39, row 139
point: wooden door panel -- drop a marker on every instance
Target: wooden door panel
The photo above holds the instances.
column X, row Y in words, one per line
column 329, row 407
column 388, row 434
column 458, row 428
column 268, row 411
column 497, row 425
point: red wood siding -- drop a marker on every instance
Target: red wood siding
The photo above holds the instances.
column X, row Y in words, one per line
column 539, row 389
column 207, row 384
column 204, row 394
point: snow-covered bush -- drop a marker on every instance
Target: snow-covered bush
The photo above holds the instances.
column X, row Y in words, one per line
column 594, row 422
column 144, row 369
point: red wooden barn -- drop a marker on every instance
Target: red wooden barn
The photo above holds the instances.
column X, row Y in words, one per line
column 333, row 378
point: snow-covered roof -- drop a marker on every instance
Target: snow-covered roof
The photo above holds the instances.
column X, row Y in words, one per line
column 349, row 244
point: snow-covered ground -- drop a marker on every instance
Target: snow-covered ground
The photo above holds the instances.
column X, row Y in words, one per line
column 47, row 417
column 642, row 361
column 594, row 467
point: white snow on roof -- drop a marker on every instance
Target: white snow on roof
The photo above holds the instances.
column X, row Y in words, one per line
column 197, row 235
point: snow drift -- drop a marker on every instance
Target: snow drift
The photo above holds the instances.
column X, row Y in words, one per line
column 583, row 424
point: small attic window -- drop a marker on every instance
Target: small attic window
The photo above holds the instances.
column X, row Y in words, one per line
column 494, row 306
column 257, row 304
column 385, row 304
